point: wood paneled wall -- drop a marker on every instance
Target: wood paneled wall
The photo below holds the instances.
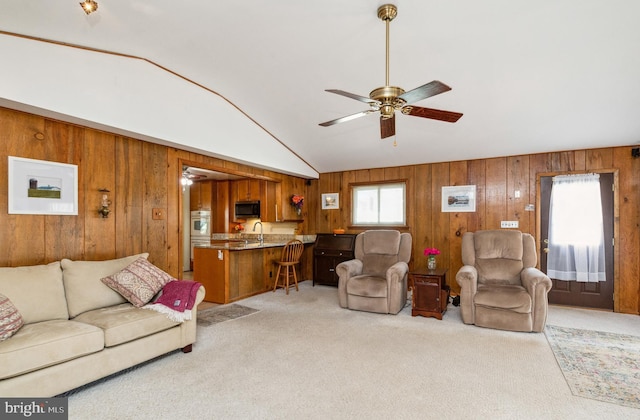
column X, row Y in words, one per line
column 141, row 176
column 496, row 181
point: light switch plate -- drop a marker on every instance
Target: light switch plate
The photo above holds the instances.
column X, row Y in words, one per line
column 509, row 224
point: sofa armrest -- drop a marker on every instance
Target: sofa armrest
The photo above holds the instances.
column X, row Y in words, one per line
column 199, row 296
column 189, row 327
column 538, row 285
column 345, row 271
column 467, row 278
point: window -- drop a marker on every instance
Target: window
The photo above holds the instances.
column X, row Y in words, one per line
column 379, row 204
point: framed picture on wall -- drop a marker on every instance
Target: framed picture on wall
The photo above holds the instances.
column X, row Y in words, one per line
column 460, row 198
column 330, row 201
column 42, row 187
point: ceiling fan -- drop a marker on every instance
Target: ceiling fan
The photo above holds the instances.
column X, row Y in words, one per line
column 389, row 99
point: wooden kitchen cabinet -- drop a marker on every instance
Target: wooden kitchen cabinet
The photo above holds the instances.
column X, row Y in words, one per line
column 290, row 188
column 200, row 195
column 270, row 203
column 220, row 221
column 248, row 189
column 329, row 251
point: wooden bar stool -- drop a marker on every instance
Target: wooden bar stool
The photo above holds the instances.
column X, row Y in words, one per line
column 291, row 254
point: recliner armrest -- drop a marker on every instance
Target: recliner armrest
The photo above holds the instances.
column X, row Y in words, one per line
column 538, row 285
column 533, row 278
column 345, row 271
column 397, row 271
column 467, row 278
column 349, row 268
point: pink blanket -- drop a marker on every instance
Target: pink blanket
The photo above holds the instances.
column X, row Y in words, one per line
column 179, row 295
column 177, row 300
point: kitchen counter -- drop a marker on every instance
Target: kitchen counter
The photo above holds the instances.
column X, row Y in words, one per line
column 239, row 245
column 236, row 244
column 228, row 275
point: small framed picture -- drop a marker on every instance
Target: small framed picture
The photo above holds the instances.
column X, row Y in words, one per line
column 42, row 187
column 460, row 198
column 330, row 201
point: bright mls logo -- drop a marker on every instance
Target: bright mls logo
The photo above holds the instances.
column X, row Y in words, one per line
column 34, row 408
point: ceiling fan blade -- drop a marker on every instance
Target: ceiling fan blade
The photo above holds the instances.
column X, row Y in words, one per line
column 434, row 114
column 387, row 127
column 364, row 99
column 347, row 118
column 425, row 91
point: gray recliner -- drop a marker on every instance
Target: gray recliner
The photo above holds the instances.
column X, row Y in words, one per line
column 500, row 286
column 376, row 280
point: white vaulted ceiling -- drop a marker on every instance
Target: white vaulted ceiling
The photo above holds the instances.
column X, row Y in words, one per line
column 245, row 80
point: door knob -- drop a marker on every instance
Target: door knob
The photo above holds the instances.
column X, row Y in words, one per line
column 546, row 250
column 546, row 241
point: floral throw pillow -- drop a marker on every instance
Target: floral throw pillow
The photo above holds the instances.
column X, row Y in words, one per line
column 138, row 282
column 10, row 318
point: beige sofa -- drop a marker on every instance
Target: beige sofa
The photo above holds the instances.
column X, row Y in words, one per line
column 77, row 330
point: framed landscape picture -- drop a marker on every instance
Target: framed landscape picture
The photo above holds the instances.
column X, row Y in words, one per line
column 460, row 198
column 42, row 187
column 330, row 201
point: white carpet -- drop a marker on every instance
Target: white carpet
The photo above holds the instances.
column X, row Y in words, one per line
column 304, row 357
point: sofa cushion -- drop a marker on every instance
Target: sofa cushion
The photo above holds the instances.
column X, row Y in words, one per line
column 83, row 287
column 37, row 291
column 123, row 323
column 10, row 318
column 47, row 343
column 138, row 282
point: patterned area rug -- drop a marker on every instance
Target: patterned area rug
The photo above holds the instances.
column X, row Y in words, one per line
column 218, row 314
column 598, row 365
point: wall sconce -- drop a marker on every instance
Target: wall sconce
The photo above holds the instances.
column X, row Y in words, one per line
column 89, row 6
column 104, row 209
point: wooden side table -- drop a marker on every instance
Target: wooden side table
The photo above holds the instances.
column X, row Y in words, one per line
column 430, row 293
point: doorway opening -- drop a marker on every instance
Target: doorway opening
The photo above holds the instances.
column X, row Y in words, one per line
column 192, row 199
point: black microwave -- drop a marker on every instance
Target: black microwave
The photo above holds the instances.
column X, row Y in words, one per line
column 247, row 209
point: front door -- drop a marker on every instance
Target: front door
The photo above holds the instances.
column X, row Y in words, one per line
column 573, row 293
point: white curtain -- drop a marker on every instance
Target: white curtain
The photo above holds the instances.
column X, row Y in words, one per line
column 576, row 234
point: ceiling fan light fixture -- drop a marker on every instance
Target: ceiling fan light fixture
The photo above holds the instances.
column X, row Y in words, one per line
column 186, row 178
column 386, row 111
column 89, row 6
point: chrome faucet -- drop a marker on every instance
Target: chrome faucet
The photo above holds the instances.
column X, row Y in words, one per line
column 261, row 236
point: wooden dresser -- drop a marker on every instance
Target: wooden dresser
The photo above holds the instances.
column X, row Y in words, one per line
column 330, row 250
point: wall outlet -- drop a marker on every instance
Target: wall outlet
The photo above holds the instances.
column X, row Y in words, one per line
column 509, row 224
